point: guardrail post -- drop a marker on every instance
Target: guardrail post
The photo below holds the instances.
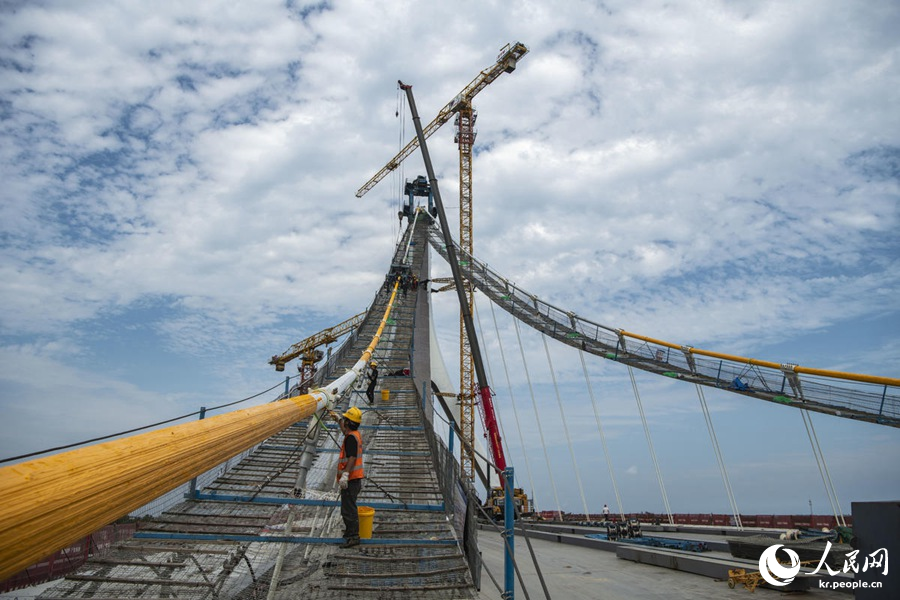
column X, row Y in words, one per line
column 509, row 520
column 192, row 492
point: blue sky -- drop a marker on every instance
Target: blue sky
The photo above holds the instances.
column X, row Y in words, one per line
column 178, row 206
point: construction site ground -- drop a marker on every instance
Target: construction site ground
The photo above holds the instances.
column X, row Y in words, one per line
column 575, row 571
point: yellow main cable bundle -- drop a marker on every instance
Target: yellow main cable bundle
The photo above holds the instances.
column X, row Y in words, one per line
column 49, row 503
column 891, row 381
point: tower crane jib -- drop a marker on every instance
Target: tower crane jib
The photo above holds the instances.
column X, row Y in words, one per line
column 304, row 348
column 506, row 63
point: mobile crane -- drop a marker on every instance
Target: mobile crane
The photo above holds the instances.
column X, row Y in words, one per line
column 461, row 107
column 308, row 350
column 497, row 500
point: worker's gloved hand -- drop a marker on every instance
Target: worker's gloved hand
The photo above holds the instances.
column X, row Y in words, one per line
column 345, row 480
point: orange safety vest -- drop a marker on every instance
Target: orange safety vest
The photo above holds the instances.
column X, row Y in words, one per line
column 357, row 471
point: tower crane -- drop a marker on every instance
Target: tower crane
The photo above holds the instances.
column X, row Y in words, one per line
column 461, row 106
column 506, row 63
column 308, row 350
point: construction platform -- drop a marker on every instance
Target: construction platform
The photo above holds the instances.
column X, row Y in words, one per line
column 250, row 533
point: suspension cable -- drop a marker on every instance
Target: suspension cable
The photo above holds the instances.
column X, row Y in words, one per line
column 515, row 409
column 840, row 512
column 490, row 377
column 142, row 428
column 487, row 365
column 823, row 469
column 612, row 476
column 412, row 229
column 662, row 487
column 562, row 415
column 719, row 458
column 538, row 419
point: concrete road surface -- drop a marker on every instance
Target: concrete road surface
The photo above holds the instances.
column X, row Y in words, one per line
column 575, row 573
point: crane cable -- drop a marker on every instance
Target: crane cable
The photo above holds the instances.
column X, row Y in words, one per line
column 398, row 173
column 562, row 415
column 538, row 419
column 612, row 476
column 823, row 469
column 662, row 487
column 719, row 458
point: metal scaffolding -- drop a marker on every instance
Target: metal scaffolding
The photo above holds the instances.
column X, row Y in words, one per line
column 249, row 533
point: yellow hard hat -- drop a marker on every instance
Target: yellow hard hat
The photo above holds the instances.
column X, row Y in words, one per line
column 353, row 414
column 373, row 364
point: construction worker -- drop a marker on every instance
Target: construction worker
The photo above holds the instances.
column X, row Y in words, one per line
column 350, row 474
column 373, row 379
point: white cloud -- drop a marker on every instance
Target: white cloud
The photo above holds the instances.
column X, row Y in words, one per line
column 710, row 173
column 56, row 404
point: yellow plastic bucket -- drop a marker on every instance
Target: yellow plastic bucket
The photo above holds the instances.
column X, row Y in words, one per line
column 366, row 516
column 385, row 395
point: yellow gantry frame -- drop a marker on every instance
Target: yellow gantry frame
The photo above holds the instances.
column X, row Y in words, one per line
column 49, row 503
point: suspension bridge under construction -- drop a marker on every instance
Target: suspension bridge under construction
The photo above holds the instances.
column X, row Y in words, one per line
column 254, row 511
column 244, row 505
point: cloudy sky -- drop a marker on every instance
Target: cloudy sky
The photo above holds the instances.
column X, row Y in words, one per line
column 178, row 205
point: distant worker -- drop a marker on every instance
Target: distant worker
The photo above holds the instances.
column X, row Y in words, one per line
column 605, row 511
column 739, row 385
column 350, row 474
column 373, row 379
column 404, row 284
